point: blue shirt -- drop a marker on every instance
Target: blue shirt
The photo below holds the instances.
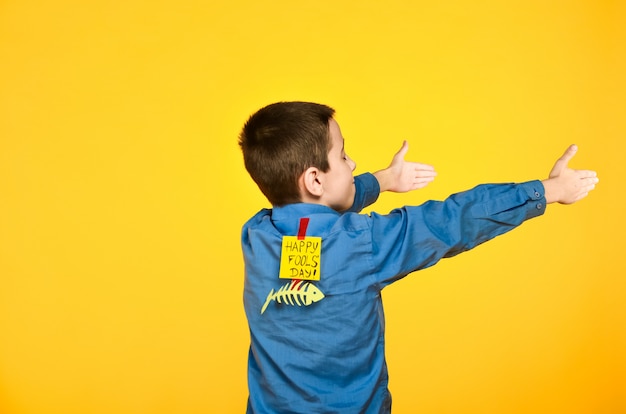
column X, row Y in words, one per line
column 311, row 355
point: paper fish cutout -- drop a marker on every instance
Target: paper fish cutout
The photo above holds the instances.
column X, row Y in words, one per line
column 295, row 292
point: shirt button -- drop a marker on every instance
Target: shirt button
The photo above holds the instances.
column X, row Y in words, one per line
column 537, row 195
column 539, row 206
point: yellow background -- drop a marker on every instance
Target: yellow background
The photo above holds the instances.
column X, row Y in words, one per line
column 122, row 194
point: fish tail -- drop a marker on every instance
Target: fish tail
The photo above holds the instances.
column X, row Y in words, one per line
column 267, row 301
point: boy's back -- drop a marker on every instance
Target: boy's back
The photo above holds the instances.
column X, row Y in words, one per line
column 327, row 355
column 317, row 336
column 322, row 356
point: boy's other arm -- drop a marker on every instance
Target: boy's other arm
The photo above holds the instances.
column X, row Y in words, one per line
column 412, row 238
column 565, row 185
column 402, row 176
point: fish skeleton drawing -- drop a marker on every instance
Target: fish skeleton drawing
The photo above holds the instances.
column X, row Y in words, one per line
column 295, row 292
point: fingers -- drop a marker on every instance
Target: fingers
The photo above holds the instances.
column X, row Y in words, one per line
column 424, row 178
column 418, row 166
column 585, row 182
column 409, row 175
column 586, row 174
column 588, row 184
column 421, row 181
column 423, row 167
column 586, row 177
column 424, row 175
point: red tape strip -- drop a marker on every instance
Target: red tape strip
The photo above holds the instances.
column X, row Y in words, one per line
column 304, row 223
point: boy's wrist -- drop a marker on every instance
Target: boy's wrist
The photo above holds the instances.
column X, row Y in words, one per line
column 383, row 178
column 551, row 190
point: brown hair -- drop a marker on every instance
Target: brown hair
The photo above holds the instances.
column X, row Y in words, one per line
column 280, row 141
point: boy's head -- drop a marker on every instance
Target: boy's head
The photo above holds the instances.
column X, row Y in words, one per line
column 294, row 152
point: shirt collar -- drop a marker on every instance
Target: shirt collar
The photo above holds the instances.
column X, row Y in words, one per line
column 287, row 218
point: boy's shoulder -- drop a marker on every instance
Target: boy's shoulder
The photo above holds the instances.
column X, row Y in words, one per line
column 258, row 217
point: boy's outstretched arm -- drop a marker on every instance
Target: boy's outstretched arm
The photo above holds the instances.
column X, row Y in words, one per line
column 565, row 185
column 402, row 176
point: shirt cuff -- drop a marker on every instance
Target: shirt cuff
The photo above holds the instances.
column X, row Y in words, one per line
column 536, row 194
column 367, row 191
column 500, row 202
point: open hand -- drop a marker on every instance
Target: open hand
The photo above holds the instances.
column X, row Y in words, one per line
column 566, row 185
column 402, row 176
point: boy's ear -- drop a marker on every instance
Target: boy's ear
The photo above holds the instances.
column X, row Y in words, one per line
column 310, row 183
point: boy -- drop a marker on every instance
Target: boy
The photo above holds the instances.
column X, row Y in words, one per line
column 315, row 267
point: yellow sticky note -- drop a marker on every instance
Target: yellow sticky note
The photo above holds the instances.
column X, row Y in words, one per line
column 300, row 258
